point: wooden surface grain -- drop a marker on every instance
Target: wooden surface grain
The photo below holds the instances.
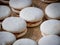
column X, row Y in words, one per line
column 40, row 4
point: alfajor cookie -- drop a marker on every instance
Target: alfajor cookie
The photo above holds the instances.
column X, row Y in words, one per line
column 50, row 27
column 17, row 5
column 49, row 40
column 15, row 25
column 25, row 41
column 52, row 11
column 6, row 38
column 4, row 12
column 32, row 15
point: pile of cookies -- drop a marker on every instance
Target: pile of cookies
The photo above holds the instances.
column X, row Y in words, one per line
column 13, row 27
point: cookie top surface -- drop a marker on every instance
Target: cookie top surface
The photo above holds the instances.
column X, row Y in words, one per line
column 49, row 40
column 25, row 41
column 31, row 14
column 4, row 11
column 14, row 24
column 19, row 4
column 6, row 37
column 50, row 27
column 53, row 10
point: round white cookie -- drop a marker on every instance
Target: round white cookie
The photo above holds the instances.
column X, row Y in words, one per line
column 49, row 40
column 6, row 38
column 53, row 10
column 19, row 4
column 50, row 27
column 14, row 24
column 31, row 14
column 4, row 12
column 25, row 41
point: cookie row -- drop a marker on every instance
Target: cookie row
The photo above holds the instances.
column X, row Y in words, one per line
column 33, row 16
column 7, row 38
column 27, row 13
